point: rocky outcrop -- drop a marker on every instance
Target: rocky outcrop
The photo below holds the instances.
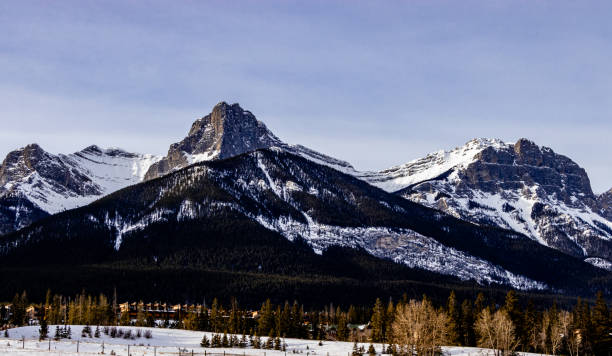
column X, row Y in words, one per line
column 32, row 159
column 35, row 183
column 604, row 202
column 227, row 131
column 520, row 186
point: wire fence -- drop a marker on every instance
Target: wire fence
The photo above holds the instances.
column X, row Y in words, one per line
column 53, row 347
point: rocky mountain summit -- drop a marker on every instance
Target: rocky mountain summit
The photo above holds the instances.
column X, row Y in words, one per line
column 35, row 183
column 229, row 131
column 226, row 132
column 520, row 186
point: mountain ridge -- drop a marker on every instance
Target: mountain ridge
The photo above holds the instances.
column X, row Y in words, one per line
column 520, row 186
column 294, row 198
column 35, row 183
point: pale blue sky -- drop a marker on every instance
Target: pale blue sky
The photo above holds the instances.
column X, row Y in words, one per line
column 377, row 83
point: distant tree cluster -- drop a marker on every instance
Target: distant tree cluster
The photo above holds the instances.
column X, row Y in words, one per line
column 420, row 328
column 406, row 327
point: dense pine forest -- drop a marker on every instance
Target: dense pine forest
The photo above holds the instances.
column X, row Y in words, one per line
column 516, row 323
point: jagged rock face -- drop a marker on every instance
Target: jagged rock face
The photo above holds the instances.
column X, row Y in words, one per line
column 605, row 204
column 33, row 160
column 226, row 132
column 522, row 187
column 35, row 183
column 524, row 164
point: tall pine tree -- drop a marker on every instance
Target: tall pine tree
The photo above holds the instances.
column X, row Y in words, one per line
column 378, row 322
column 454, row 319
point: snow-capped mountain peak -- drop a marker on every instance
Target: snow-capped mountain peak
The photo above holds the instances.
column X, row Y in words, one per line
column 518, row 186
column 431, row 166
column 52, row 183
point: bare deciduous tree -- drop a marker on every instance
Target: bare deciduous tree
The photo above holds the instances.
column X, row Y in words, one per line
column 419, row 329
column 496, row 331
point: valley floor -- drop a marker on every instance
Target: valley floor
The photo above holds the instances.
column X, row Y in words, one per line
column 172, row 342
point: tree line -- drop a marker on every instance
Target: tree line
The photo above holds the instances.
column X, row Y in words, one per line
column 405, row 327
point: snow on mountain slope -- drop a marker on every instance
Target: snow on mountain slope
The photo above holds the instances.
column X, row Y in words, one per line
column 402, row 246
column 53, row 183
column 520, row 186
column 429, row 167
column 291, row 198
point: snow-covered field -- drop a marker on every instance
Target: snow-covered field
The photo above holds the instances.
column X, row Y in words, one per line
column 171, row 342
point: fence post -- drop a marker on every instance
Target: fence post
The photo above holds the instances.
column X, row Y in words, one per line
column 23, row 342
column 128, row 350
column 49, row 344
column 78, row 341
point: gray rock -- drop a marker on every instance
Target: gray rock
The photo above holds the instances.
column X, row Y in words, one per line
column 227, row 131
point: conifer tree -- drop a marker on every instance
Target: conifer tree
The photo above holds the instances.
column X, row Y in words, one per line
column 316, row 331
column 257, row 341
column 512, row 309
column 352, row 315
column 389, row 317
column 601, row 325
column 203, row 319
column 479, row 303
column 342, row 331
column 215, row 316
column 234, row 318
column 295, row 322
column 205, row 342
column 19, row 305
column 467, row 324
column 224, row 340
column 283, row 320
column 44, row 328
column 270, row 343
column 377, row 322
column 356, row 351
column 529, row 340
column 454, row 324
column 266, row 319
column 216, row 340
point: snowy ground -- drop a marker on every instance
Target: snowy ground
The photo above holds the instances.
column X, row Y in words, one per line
column 170, row 342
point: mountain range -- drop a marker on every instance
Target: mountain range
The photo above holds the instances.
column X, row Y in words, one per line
column 496, row 213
